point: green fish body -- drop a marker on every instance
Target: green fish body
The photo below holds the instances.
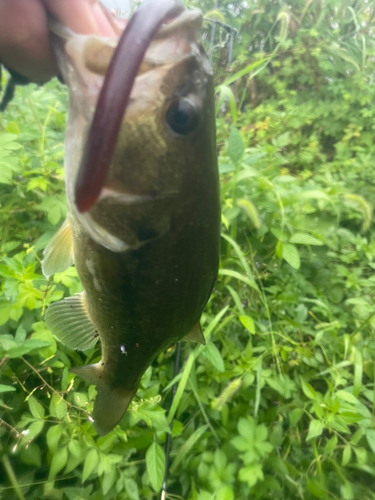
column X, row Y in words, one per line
column 147, row 251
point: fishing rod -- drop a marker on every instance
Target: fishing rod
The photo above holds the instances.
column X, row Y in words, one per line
column 169, row 437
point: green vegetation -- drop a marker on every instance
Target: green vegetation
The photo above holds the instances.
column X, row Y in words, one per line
column 280, row 402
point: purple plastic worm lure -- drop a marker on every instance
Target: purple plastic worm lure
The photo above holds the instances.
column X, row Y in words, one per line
column 114, row 96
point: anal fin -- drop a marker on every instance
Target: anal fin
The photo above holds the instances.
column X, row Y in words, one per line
column 70, row 322
column 58, row 254
column 195, row 335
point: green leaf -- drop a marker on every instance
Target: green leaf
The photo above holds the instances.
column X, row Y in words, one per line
column 317, row 489
column 251, row 474
column 185, row 448
column 5, row 308
column 155, row 464
column 6, row 388
column 225, row 493
column 32, row 432
column 109, row 480
column 57, row 406
column 212, row 353
column 347, row 453
column 308, row 390
column 36, row 408
column 91, row 461
column 291, row 256
column 59, row 461
column 235, row 146
column 295, row 416
column 247, row 323
column 331, row 445
column 305, row 239
column 315, row 429
column 28, row 346
column 370, row 436
column 53, row 437
column 248, row 69
column 131, row 488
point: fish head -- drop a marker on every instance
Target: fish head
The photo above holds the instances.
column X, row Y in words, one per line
column 164, row 157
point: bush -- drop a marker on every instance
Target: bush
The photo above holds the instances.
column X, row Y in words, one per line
column 280, row 402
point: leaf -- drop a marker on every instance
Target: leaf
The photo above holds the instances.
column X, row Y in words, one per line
column 370, row 436
column 36, row 408
column 91, row 461
column 5, row 308
column 131, row 488
column 247, row 323
column 251, row 474
column 155, row 464
column 347, row 453
column 315, row 429
column 308, row 390
column 182, row 452
column 291, row 255
column 225, row 493
column 57, row 406
column 28, row 346
column 59, row 461
column 109, row 480
column 212, row 353
column 235, row 146
column 317, row 489
column 248, row 69
column 181, row 387
column 239, row 276
column 53, row 437
column 331, row 445
column 305, row 239
column 6, row 388
column 32, row 432
column 295, row 416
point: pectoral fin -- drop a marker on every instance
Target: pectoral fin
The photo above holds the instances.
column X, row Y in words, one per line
column 195, row 335
column 70, row 322
column 58, row 254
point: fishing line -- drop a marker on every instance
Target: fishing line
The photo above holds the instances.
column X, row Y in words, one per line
column 169, row 437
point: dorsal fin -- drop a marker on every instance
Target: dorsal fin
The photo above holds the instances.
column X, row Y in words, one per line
column 58, row 254
column 70, row 322
column 195, row 335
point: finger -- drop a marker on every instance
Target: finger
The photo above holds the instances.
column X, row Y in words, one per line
column 81, row 16
column 24, row 41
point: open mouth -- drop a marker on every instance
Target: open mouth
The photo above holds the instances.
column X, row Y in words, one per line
column 115, row 92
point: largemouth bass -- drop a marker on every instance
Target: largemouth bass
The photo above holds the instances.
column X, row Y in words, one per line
column 147, row 251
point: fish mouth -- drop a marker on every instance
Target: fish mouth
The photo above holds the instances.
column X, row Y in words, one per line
column 153, row 20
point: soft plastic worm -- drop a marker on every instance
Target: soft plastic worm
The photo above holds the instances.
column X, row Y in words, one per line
column 114, row 96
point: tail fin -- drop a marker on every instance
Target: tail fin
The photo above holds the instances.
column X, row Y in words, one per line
column 110, row 404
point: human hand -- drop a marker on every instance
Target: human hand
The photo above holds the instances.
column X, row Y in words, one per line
column 24, row 37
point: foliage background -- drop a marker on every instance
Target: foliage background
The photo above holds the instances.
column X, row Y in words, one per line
column 280, row 403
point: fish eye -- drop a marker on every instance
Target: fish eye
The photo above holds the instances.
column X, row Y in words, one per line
column 182, row 116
